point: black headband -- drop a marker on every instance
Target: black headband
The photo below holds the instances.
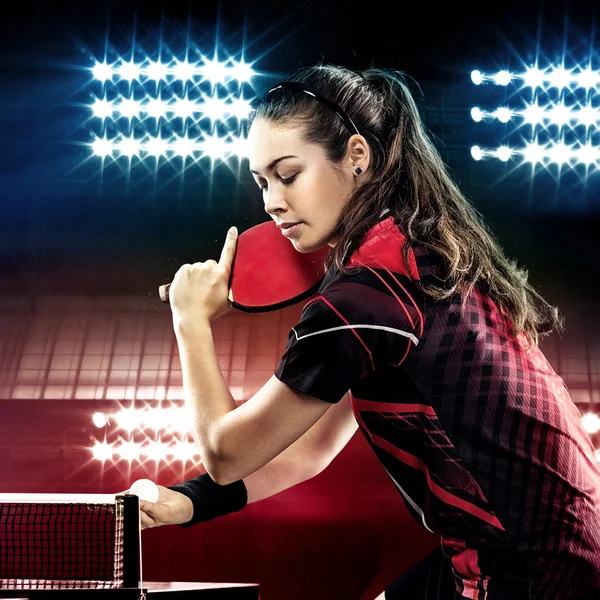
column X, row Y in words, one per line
column 294, row 85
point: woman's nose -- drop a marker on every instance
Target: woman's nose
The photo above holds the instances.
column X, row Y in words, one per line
column 274, row 201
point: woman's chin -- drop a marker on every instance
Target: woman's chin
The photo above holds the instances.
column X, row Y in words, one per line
column 304, row 247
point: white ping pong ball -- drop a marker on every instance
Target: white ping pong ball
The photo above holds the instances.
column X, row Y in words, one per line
column 144, row 489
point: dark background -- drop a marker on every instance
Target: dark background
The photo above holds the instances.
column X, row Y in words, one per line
column 69, row 228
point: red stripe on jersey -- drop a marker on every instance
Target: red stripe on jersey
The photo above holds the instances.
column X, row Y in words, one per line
column 405, row 354
column 441, row 493
column 347, row 323
column 466, row 564
column 412, row 324
column 399, row 408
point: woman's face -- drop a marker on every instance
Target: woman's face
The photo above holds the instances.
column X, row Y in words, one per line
column 298, row 183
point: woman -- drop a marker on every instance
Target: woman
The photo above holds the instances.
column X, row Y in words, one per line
column 426, row 323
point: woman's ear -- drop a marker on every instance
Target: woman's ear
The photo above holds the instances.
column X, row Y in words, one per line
column 358, row 154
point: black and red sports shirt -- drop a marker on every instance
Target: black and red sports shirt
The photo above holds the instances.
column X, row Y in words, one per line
column 474, row 427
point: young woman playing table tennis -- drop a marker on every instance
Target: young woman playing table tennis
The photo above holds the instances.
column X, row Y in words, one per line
column 427, row 325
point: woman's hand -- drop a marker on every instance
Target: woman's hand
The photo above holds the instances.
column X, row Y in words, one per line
column 171, row 508
column 200, row 291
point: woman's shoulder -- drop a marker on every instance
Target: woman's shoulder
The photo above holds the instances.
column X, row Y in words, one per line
column 383, row 248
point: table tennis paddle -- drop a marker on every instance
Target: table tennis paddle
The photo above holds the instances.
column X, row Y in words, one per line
column 268, row 273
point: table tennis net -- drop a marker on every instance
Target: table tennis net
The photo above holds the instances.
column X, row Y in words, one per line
column 66, row 545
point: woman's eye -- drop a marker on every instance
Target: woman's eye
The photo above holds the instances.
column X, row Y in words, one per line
column 289, row 179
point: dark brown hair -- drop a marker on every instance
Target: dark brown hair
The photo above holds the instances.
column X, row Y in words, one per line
column 407, row 176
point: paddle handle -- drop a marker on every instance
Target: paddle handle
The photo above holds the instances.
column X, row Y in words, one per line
column 163, row 292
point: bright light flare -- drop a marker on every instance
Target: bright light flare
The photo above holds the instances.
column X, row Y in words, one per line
column 184, row 71
column 102, row 71
column 533, row 154
column 476, row 77
column 503, row 114
column 99, row 420
column 533, row 78
column 503, row 78
column 559, row 77
column 476, row 153
column 183, row 147
column 242, row 71
column 533, row 114
column 587, row 78
column 102, row 147
column 476, row 114
column 157, row 71
column 129, row 108
column 102, row 451
column 129, row 71
column 102, row 109
column 591, row 422
column 560, row 154
column 183, row 108
column 504, row 153
column 156, row 147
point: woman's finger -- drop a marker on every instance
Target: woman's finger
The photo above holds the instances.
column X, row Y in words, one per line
column 228, row 252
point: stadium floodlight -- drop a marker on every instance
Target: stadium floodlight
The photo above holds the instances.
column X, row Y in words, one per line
column 154, row 107
column 559, row 77
column 216, row 109
column 154, row 451
column 476, row 153
column 215, row 147
column 560, row 115
column 476, row 77
column 102, row 108
column 214, row 71
column 503, row 78
column 99, row 420
column 560, row 153
column 591, row 422
column 239, row 146
column 129, row 71
column 102, row 147
column 533, row 153
column 183, row 147
column 184, row 71
column 587, row 78
column 504, row 153
column 183, row 108
column 533, row 114
column 157, row 71
column 156, row 147
column 102, row 71
column 129, row 451
column 503, row 114
column 184, row 451
column 476, row 114
column 588, row 115
column 588, row 154
column 240, row 108
column 102, row 451
column 130, row 108
column 533, row 77
column 129, row 147
column 241, row 71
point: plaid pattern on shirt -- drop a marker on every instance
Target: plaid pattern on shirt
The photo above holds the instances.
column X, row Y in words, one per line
column 473, row 426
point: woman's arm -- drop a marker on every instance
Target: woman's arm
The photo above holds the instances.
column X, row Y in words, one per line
column 307, row 456
column 235, row 442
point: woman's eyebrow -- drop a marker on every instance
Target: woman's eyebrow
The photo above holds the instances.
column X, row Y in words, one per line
column 274, row 163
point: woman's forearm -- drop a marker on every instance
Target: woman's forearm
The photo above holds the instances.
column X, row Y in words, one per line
column 281, row 473
column 206, row 393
